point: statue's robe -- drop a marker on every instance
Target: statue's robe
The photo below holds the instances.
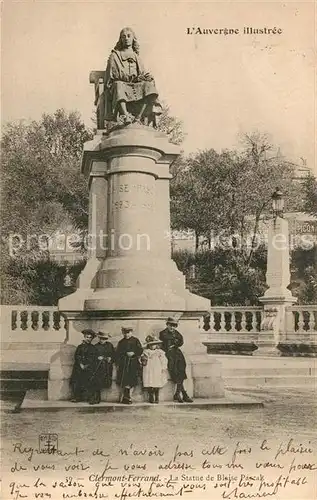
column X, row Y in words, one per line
column 176, row 363
column 121, row 72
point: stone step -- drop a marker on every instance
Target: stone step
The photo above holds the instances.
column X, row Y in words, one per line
column 259, row 362
column 12, row 394
column 19, row 384
column 16, row 382
column 24, row 374
column 271, row 371
column 231, row 400
column 25, row 366
column 262, row 381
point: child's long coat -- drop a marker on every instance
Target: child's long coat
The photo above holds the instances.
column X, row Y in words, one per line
column 154, row 368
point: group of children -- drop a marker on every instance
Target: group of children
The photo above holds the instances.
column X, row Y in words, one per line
column 93, row 365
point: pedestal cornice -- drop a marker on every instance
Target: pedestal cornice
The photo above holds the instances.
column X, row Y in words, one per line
column 132, row 140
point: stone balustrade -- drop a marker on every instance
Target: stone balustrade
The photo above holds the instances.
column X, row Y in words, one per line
column 32, row 324
column 232, row 329
column 234, row 319
column 224, row 325
column 301, row 319
column 237, row 330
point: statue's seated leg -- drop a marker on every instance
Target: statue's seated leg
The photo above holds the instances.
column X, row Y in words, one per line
column 141, row 111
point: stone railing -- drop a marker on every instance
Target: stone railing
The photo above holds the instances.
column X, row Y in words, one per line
column 234, row 320
column 237, row 330
column 300, row 330
column 232, row 330
column 32, row 324
column 301, row 320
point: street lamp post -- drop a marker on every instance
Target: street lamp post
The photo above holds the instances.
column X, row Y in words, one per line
column 277, row 296
column 278, row 203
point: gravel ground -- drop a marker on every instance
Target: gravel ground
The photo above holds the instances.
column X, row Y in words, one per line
column 287, row 414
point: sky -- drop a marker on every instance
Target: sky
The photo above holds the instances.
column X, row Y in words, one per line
column 219, row 86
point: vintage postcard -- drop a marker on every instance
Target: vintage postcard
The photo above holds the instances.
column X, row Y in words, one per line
column 159, row 250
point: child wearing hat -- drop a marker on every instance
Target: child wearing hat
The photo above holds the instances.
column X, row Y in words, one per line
column 154, row 364
column 81, row 383
column 127, row 355
column 104, row 364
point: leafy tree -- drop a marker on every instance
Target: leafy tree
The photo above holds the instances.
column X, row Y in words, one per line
column 221, row 275
column 304, row 275
column 171, row 126
column 229, row 193
column 309, row 293
column 40, row 166
column 41, row 191
column 310, row 191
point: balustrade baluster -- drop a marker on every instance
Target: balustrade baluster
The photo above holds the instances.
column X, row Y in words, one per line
column 254, row 321
column 50, row 322
column 42, row 320
column 301, row 322
column 233, row 322
column 19, row 321
column 222, row 322
column 311, row 321
column 212, row 322
column 243, row 322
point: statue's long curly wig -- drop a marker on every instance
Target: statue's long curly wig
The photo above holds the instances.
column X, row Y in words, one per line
column 135, row 44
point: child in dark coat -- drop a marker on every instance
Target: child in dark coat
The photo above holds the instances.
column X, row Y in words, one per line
column 104, row 364
column 85, row 361
column 172, row 340
column 128, row 352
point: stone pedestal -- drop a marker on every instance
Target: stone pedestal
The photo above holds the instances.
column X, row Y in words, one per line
column 130, row 278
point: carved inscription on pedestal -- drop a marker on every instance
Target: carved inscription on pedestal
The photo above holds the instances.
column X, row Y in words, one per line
column 139, row 188
column 133, row 197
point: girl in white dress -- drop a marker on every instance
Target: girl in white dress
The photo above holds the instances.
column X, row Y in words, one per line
column 154, row 363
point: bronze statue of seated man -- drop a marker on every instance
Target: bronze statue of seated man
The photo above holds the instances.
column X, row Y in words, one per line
column 130, row 94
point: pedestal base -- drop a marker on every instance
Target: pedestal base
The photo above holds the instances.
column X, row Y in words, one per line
column 204, row 379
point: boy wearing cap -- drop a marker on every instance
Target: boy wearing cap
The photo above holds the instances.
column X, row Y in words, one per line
column 172, row 340
column 154, row 364
column 104, row 364
column 81, row 379
column 127, row 356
